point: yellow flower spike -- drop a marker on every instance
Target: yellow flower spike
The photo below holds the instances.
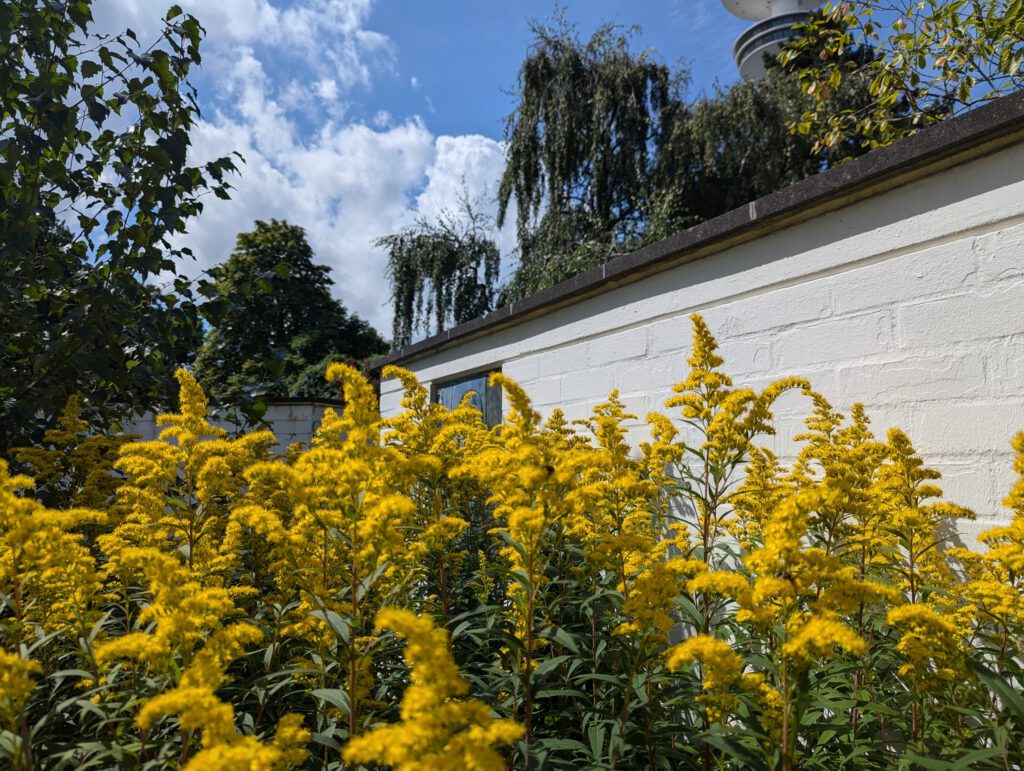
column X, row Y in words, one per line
column 46, row 571
column 224, row 749
column 289, row 739
column 704, row 345
column 906, row 487
column 761, row 491
column 722, row 665
column 191, row 424
column 725, row 583
column 651, row 596
column 72, row 465
column 769, row 699
column 611, row 499
column 819, row 637
column 722, row 423
column 186, row 615
column 440, row 727
column 197, row 709
column 721, row 669
column 522, row 416
column 931, row 645
column 360, row 420
column 17, row 682
column 179, row 489
column 245, row 754
column 1015, row 500
column 415, row 398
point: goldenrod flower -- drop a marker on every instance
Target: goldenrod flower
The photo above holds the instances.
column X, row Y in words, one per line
column 721, row 670
column 16, row 685
column 47, row 575
column 440, row 728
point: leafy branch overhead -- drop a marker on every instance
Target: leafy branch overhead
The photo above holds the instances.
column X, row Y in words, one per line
column 940, row 57
column 95, row 184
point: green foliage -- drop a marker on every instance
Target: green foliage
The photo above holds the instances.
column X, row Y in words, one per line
column 737, row 146
column 72, row 465
column 281, row 326
column 94, row 184
column 590, row 122
column 699, row 604
column 445, row 272
column 938, row 57
column 732, row 148
column 604, row 154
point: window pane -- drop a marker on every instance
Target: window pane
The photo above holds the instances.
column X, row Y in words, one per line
column 485, row 398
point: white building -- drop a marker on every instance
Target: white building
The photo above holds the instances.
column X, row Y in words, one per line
column 896, row 280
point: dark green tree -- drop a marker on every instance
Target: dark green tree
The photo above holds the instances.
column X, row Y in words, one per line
column 604, row 155
column 94, row 184
column 591, row 121
column 444, row 271
column 282, row 326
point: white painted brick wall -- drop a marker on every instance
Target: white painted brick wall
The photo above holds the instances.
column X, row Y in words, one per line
column 911, row 301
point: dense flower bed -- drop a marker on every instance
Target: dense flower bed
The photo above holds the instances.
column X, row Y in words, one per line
column 422, row 592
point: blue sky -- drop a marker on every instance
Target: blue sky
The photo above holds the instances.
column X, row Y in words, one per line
column 465, row 55
column 355, row 117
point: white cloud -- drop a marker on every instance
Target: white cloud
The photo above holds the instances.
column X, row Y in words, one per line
column 347, row 186
column 275, row 81
column 327, row 89
column 327, row 36
column 468, row 166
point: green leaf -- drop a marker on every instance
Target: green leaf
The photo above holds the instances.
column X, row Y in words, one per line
column 334, row 696
column 548, row 665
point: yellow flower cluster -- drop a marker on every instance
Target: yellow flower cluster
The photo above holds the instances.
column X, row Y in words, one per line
column 721, row 670
column 17, row 681
column 46, row 572
column 180, row 487
column 440, row 728
column 72, row 467
column 551, row 550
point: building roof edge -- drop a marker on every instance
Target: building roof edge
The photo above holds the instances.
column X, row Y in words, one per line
column 979, row 132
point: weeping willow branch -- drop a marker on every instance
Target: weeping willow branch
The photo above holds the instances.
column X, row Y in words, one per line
column 441, row 273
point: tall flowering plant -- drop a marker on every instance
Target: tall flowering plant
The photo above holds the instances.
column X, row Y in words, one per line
column 427, row 592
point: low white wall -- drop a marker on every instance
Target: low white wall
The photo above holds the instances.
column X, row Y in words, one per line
column 290, row 422
column 911, row 302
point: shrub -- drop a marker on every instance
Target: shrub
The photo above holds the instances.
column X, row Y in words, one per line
column 425, row 592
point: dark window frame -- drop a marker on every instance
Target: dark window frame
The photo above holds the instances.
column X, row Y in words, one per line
column 489, row 403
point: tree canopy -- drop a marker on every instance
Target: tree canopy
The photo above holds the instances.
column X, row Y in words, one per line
column 935, row 57
column 282, row 326
column 94, row 185
column 590, row 122
column 443, row 272
column 604, row 153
